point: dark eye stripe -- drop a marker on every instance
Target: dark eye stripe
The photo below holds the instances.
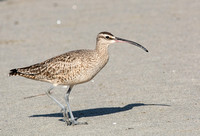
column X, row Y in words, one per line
column 106, row 37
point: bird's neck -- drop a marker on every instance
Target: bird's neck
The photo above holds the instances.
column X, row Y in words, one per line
column 102, row 49
column 102, row 54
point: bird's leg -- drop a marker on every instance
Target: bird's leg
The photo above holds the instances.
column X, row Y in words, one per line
column 68, row 106
column 73, row 121
column 64, row 110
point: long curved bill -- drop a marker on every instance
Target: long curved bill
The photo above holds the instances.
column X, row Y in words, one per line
column 117, row 39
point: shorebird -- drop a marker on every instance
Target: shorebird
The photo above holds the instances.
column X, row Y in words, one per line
column 72, row 68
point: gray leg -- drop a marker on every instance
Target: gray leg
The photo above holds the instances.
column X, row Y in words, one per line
column 74, row 122
column 65, row 114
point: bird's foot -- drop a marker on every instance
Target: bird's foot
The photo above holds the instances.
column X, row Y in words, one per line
column 66, row 120
column 70, row 121
column 65, row 116
column 74, row 122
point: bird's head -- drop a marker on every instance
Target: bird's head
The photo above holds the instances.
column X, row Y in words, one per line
column 106, row 38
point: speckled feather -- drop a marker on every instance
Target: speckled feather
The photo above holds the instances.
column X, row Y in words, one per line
column 71, row 68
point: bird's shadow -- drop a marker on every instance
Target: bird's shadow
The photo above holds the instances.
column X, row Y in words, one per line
column 99, row 111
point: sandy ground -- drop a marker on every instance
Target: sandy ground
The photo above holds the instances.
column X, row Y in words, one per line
column 137, row 93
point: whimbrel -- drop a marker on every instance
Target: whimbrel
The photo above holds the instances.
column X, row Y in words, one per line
column 72, row 68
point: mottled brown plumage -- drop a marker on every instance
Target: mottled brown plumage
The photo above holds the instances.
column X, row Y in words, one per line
column 67, row 69
column 72, row 68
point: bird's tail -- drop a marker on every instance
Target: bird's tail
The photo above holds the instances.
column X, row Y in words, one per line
column 32, row 71
column 24, row 72
column 14, row 72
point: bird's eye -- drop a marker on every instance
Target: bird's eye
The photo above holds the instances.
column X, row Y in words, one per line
column 107, row 37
